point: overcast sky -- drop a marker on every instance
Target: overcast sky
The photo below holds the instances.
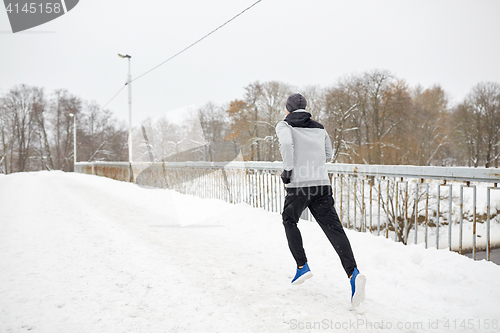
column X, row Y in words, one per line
column 453, row 43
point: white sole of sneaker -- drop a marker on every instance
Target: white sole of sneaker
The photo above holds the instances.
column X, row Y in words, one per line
column 359, row 294
column 301, row 279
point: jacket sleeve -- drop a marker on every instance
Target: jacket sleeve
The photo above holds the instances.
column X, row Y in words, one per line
column 284, row 134
column 328, row 147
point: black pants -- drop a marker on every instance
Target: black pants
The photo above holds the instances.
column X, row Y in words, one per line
column 319, row 200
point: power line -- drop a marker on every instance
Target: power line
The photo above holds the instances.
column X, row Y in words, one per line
column 112, row 98
column 199, row 40
column 185, row 49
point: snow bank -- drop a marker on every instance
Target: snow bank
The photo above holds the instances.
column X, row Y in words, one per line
column 80, row 253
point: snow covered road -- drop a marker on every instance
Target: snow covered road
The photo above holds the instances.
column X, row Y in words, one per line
column 80, row 253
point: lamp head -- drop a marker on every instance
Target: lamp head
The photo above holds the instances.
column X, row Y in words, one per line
column 124, row 56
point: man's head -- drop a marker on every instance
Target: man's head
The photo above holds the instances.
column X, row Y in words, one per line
column 295, row 102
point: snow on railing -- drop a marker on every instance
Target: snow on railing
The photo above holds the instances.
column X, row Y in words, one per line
column 404, row 203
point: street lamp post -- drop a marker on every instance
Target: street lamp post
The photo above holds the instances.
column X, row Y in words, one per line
column 129, row 83
column 74, row 139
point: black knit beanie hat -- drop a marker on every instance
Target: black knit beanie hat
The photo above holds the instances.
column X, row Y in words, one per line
column 296, row 102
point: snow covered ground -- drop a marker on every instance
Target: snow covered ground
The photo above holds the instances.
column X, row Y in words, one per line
column 81, row 253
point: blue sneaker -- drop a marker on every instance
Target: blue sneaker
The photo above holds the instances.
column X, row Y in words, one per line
column 303, row 274
column 358, row 282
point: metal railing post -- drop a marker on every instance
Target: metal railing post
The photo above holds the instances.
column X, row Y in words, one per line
column 396, row 213
column 387, row 211
column 426, row 214
column 348, row 202
column 341, row 200
column 474, row 225
column 488, row 236
column 379, row 196
column 355, row 182
column 450, row 215
column 415, row 209
column 371, row 203
column 438, row 198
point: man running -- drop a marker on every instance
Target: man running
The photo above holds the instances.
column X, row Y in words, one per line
column 305, row 147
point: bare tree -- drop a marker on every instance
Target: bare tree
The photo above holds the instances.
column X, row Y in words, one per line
column 6, row 136
column 215, row 125
column 485, row 102
column 428, row 129
column 338, row 106
column 477, row 120
column 19, row 109
column 365, row 133
column 99, row 130
column 270, row 100
column 43, row 148
column 62, row 105
column 242, row 129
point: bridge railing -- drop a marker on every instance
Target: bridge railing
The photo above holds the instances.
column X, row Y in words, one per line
column 444, row 207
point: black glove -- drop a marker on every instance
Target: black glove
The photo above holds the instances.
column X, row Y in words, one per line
column 286, row 175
